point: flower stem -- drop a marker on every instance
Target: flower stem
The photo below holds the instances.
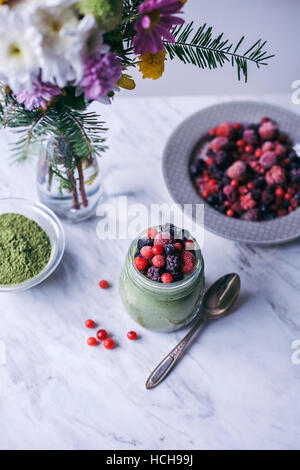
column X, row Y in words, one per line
column 72, row 180
column 84, row 198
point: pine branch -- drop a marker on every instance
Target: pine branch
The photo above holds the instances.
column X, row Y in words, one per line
column 204, row 51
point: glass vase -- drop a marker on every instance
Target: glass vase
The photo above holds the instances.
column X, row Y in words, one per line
column 68, row 186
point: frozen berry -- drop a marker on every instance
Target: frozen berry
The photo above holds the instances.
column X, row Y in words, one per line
column 154, row 274
column 109, row 343
column 91, row 341
column 218, row 143
column 268, row 159
column 235, row 183
column 144, row 242
column 178, row 246
column 132, row 335
column 275, row 176
column 268, row 130
column 157, row 250
column 247, row 202
column 250, row 137
column 147, row 252
column 280, row 151
column 279, row 192
column 166, row 278
column 162, row 239
column 158, row 261
column 225, row 129
column 230, row 192
column 237, row 170
column 188, row 261
column 170, row 250
column 252, row 215
column 249, row 149
column 140, row 263
column 266, row 146
column 90, row 324
column 103, row 284
column 230, row 213
column 102, row 335
column 189, row 245
column 152, row 232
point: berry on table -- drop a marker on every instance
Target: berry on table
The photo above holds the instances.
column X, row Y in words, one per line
column 140, row 263
column 132, row 335
column 109, row 343
column 90, row 324
column 147, row 252
column 104, row 284
column 101, row 335
column 166, row 278
column 92, row 341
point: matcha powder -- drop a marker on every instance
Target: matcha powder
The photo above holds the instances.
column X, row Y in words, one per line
column 25, row 249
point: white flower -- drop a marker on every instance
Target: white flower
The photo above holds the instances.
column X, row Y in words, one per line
column 19, row 44
column 65, row 38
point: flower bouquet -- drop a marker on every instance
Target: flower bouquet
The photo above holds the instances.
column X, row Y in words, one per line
column 58, row 56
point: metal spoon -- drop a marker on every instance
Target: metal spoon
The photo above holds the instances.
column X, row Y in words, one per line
column 216, row 304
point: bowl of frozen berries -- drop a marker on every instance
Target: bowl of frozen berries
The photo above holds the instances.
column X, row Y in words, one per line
column 241, row 160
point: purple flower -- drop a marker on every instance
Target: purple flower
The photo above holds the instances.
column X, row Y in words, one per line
column 155, row 25
column 101, row 72
column 39, row 96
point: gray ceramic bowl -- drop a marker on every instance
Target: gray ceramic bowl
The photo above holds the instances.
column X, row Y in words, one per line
column 181, row 147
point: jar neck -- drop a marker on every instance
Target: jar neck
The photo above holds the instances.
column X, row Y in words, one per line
column 175, row 289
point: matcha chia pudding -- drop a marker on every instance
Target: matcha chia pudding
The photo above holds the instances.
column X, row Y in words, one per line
column 162, row 282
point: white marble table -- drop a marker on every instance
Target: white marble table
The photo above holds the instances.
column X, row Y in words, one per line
column 236, row 389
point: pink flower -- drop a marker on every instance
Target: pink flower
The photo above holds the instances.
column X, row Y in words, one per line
column 40, row 95
column 156, row 23
column 101, row 72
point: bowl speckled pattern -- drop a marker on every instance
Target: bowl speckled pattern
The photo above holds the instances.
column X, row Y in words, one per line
column 181, row 147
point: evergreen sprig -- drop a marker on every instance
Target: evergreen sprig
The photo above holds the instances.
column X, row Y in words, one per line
column 200, row 48
column 82, row 129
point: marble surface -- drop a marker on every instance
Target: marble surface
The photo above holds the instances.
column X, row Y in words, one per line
column 237, row 388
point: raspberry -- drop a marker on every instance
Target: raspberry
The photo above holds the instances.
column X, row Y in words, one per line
column 147, row 252
column 166, row 278
column 267, row 197
column 280, row 151
column 223, row 159
column 268, row 130
column 152, row 232
column 154, row 274
column 188, row 261
column 237, row 171
column 230, row 192
column 266, row 146
column 247, row 202
column 252, row 215
column 250, row 136
column 275, row 176
column 140, row 263
column 158, row 261
column 218, row 143
column 225, row 129
column 268, row 159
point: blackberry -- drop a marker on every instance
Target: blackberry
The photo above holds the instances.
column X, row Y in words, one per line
column 267, row 197
column 144, row 242
column 154, row 274
column 260, row 182
column 200, row 165
column 212, row 199
column 170, row 250
column 295, row 177
column 137, row 254
column 173, row 265
column 297, row 197
column 178, row 276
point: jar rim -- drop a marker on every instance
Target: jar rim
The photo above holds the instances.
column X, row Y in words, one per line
column 157, row 286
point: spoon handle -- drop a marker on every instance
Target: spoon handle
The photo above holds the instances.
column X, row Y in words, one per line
column 169, row 362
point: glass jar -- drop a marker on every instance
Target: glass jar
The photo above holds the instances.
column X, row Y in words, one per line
column 157, row 306
column 69, row 187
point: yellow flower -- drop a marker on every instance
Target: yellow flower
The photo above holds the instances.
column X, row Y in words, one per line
column 127, row 82
column 152, row 65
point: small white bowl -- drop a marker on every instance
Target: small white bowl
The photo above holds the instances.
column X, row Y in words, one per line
column 48, row 221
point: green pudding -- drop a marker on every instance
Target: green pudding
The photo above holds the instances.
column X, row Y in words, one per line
column 157, row 306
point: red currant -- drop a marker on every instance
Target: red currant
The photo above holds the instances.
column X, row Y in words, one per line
column 157, row 250
column 132, row 335
column 209, row 161
column 152, row 232
column 237, row 126
column 140, row 263
column 158, row 261
column 250, row 185
column 147, row 252
column 212, row 182
column 90, row 324
column 279, row 192
column 212, row 131
column 166, row 278
column 235, row 183
column 258, row 153
column 103, row 284
column 205, row 194
column 241, row 143
column 92, row 341
column 288, row 196
column 109, row 343
column 249, row 149
column 101, row 335
column 230, row 212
